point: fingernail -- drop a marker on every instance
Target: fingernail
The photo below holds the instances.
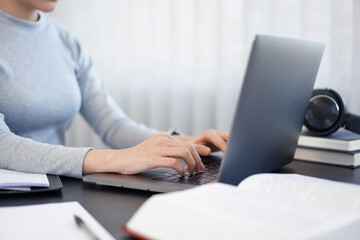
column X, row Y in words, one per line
column 202, row 166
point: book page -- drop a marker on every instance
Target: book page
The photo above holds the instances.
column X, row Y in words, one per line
column 260, row 207
column 318, row 191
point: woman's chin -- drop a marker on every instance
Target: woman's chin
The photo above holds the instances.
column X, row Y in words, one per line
column 48, row 7
column 42, row 5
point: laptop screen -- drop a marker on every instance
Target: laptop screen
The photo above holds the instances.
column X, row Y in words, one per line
column 274, row 97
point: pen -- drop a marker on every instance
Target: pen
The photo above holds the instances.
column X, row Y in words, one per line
column 81, row 224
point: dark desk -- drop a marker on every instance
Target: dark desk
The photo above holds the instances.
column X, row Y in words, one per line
column 113, row 207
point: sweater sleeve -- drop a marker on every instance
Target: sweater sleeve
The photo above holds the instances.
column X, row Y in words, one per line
column 100, row 110
column 24, row 154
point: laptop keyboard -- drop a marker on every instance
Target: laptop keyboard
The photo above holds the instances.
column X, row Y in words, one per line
column 209, row 174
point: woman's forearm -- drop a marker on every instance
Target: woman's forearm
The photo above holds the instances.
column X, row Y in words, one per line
column 100, row 161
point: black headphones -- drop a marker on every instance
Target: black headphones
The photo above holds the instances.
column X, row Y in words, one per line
column 327, row 113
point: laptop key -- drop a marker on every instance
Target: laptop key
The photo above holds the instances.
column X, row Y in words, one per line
column 204, row 176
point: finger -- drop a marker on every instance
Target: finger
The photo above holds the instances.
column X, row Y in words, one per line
column 193, row 151
column 171, row 163
column 202, row 149
column 213, row 138
column 198, row 164
column 179, row 152
column 223, row 135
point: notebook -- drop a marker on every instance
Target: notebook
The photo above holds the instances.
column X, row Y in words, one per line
column 268, row 118
column 14, row 182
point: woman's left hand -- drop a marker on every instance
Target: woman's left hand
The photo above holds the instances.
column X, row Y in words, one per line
column 209, row 141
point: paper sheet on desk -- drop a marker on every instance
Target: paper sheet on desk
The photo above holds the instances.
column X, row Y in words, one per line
column 11, row 179
column 48, row 221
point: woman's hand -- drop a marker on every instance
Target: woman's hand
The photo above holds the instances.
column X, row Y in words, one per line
column 209, row 141
column 161, row 150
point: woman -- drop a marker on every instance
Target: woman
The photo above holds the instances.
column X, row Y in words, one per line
column 46, row 78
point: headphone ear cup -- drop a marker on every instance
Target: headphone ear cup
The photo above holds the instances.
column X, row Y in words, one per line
column 326, row 112
column 352, row 123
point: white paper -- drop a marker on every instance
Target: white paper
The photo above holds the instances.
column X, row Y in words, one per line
column 48, row 221
column 9, row 179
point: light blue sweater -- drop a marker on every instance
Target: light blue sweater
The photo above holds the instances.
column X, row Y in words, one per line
column 46, row 79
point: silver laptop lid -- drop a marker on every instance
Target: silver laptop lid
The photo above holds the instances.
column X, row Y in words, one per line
column 274, row 97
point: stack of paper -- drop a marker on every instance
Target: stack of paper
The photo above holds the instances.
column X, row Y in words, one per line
column 12, row 180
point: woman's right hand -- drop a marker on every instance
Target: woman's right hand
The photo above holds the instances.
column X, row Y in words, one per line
column 161, row 150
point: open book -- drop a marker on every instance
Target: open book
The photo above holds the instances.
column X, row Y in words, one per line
column 271, row 206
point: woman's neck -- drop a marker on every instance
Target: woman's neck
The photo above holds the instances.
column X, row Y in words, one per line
column 19, row 10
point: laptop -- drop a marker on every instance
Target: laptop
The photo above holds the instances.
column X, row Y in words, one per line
column 268, row 119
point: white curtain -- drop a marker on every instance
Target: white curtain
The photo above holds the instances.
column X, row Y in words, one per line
column 180, row 63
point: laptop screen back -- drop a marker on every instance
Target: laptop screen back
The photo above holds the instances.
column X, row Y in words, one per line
column 274, row 97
